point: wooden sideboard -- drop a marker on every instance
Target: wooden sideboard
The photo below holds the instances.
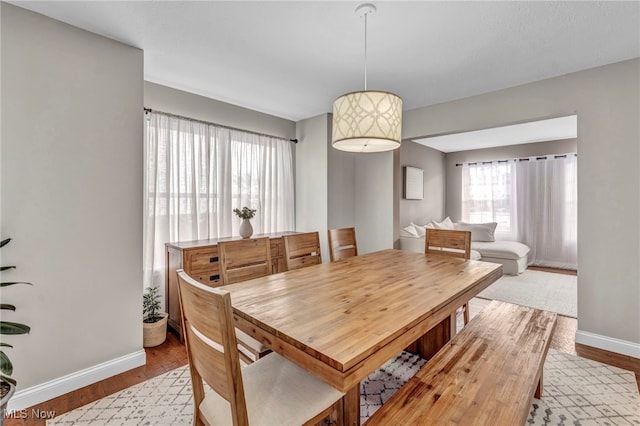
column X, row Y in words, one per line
column 199, row 259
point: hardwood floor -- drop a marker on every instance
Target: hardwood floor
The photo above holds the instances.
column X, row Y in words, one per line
column 554, row 270
column 172, row 354
column 166, row 357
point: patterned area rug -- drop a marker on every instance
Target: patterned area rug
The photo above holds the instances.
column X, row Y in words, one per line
column 577, row 392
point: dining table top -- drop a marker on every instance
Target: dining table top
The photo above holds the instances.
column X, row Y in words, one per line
column 341, row 319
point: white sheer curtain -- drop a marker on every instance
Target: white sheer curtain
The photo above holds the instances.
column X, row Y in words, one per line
column 533, row 200
column 488, row 195
column 548, row 210
column 197, row 173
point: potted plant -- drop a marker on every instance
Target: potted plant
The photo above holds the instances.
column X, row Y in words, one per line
column 154, row 323
column 8, row 383
column 246, row 230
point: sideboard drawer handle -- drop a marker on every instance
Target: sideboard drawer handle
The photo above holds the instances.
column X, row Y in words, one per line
column 214, row 277
column 213, row 259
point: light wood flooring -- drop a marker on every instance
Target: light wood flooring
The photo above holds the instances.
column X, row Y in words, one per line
column 172, row 354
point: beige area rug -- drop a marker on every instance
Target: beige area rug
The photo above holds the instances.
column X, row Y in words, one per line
column 577, row 392
column 543, row 290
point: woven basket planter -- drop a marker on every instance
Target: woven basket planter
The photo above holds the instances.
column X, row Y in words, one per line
column 155, row 333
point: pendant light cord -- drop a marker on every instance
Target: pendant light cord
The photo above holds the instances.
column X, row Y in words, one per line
column 365, row 51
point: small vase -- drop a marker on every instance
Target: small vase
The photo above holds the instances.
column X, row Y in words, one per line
column 246, row 230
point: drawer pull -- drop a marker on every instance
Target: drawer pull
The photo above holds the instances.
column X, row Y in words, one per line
column 214, row 277
column 213, row 259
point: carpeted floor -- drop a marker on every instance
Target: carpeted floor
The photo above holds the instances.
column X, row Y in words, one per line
column 577, row 392
column 543, row 290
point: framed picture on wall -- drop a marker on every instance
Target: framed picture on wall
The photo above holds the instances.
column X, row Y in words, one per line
column 413, row 179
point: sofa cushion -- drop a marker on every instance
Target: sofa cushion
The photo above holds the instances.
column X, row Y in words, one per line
column 479, row 231
column 446, row 223
column 420, row 229
column 475, row 255
column 501, row 249
column 410, row 230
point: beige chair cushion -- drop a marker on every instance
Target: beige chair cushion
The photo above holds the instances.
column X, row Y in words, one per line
column 277, row 392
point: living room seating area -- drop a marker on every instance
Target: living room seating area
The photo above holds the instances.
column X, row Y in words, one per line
column 511, row 254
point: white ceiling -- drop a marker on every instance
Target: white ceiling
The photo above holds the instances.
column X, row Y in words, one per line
column 292, row 59
column 535, row 131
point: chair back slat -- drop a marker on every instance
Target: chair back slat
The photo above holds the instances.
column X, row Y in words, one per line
column 301, row 250
column 448, row 242
column 342, row 243
column 207, row 359
column 210, row 338
column 244, row 259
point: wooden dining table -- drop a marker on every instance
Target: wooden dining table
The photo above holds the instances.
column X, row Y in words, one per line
column 341, row 321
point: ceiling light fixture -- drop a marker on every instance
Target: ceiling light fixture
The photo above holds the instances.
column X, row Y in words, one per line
column 370, row 120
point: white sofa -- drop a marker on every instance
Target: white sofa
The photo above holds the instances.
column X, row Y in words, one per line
column 511, row 254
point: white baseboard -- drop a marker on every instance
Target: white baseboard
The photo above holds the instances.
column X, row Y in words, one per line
column 34, row 395
column 608, row 343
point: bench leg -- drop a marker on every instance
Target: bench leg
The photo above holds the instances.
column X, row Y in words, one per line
column 437, row 337
column 538, row 393
column 351, row 406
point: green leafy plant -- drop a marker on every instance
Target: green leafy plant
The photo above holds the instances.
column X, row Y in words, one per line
column 9, row 328
column 151, row 305
column 245, row 213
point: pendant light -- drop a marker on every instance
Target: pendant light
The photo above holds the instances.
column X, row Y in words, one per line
column 370, row 120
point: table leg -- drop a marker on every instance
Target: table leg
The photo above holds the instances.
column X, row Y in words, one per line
column 538, row 393
column 351, row 406
column 437, row 337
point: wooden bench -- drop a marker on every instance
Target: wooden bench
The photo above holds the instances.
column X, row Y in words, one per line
column 486, row 375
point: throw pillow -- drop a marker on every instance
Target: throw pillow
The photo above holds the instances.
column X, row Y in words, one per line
column 411, row 230
column 445, row 224
column 420, row 229
column 479, row 231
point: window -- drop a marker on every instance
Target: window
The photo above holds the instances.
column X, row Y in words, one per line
column 488, row 195
column 197, row 173
column 533, row 200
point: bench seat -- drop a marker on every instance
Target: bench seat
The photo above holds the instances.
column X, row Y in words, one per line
column 486, row 375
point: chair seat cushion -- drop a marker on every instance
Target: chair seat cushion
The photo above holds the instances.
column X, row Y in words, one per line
column 277, row 392
column 501, row 249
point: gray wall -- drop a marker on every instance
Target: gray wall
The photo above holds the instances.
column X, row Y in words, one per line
column 607, row 102
column 175, row 101
column 71, row 177
column 311, row 178
column 374, row 201
column 432, row 162
column 454, row 174
column 342, row 190
column 336, row 189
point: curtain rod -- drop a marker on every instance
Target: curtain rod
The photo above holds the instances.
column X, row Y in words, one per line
column 543, row 157
column 148, row 110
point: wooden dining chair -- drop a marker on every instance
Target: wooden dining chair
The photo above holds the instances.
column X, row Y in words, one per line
column 242, row 260
column 270, row 391
column 342, row 243
column 450, row 243
column 301, row 250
